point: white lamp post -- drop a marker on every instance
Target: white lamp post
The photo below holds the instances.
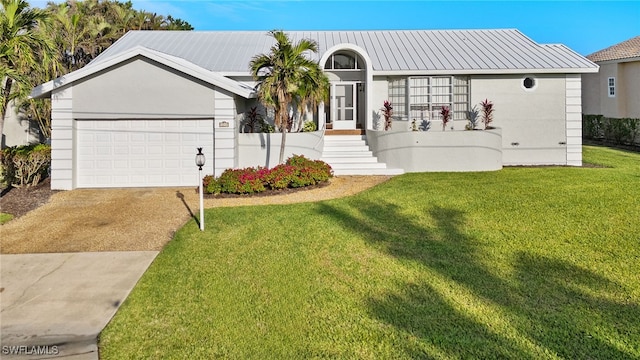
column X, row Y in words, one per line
column 200, row 159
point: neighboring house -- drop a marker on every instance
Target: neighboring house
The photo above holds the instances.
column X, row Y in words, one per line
column 134, row 116
column 615, row 91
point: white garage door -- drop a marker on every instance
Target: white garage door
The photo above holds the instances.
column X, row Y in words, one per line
column 141, row 153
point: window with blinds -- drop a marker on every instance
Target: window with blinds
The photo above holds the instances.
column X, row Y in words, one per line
column 425, row 96
column 398, row 97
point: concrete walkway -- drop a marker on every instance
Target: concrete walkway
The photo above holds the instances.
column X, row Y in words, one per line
column 55, row 305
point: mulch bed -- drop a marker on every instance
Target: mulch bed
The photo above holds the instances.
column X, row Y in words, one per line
column 268, row 192
column 19, row 201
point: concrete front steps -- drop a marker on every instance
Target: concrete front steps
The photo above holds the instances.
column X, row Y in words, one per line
column 350, row 155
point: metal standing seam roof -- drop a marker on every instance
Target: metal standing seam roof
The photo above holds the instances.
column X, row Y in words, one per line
column 417, row 51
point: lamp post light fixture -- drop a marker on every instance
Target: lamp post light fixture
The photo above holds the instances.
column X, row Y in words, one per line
column 200, row 159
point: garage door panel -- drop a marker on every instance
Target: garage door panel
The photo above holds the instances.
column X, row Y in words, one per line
column 154, row 150
column 135, row 136
column 140, row 153
column 121, row 150
column 120, row 164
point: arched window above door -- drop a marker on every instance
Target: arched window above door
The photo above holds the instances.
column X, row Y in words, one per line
column 344, row 61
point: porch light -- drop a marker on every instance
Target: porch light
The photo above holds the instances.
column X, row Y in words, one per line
column 200, row 159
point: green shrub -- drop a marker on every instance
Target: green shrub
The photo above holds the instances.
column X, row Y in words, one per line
column 297, row 172
column 621, row 131
column 309, row 126
column 618, row 131
column 309, row 172
column 211, row 185
column 24, row 166
column 592, row 127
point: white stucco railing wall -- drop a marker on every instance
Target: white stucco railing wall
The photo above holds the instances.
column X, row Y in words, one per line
column 424, row 151
column 263, row 149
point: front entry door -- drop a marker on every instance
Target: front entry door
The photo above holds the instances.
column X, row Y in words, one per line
column 343, row 101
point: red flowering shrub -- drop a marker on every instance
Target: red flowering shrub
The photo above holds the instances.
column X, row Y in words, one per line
column 241, row 181
column 298, row 171
column 280, row 177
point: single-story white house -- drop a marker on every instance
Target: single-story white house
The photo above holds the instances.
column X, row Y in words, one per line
column 614, row 91
column 134, row 116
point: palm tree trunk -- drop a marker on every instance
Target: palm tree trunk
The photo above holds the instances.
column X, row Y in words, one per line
column 282, row 144
column 283, row 115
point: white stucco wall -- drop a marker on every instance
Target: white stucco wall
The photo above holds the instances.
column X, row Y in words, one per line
column 420, row 151
column 533, row 122
column 379, row 93
column 141, row 88
column 16, row 130
column 263, row 149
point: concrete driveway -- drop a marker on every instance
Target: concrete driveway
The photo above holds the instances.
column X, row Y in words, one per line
column 101, row 220
column 67, row 266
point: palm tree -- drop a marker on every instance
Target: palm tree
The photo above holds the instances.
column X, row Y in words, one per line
column 313, row 89
column 285, row 77
column 22, row 48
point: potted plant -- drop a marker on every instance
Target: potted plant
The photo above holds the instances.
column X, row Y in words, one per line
column 487, row 113
column 445, row 112
column 474, row 114
column 387, row 112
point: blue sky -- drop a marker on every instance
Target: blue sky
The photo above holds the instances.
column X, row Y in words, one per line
column 584, row 26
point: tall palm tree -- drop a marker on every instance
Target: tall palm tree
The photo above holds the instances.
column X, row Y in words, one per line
column 286, row 76
column 22, row 48
column 313, row 89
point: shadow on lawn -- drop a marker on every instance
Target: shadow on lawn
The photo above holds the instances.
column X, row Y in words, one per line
column 548, row 306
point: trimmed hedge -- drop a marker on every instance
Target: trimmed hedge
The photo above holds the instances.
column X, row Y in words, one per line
column 24, row 166
column 297, row 172
column 624, row 131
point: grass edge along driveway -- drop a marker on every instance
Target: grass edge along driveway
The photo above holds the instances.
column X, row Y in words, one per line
column 523, row 263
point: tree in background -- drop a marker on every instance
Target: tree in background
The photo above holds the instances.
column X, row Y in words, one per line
column 38, row 45
column 23, row 47
column 287, row 77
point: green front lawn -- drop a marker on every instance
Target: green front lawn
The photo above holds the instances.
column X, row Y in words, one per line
column 523, row 263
